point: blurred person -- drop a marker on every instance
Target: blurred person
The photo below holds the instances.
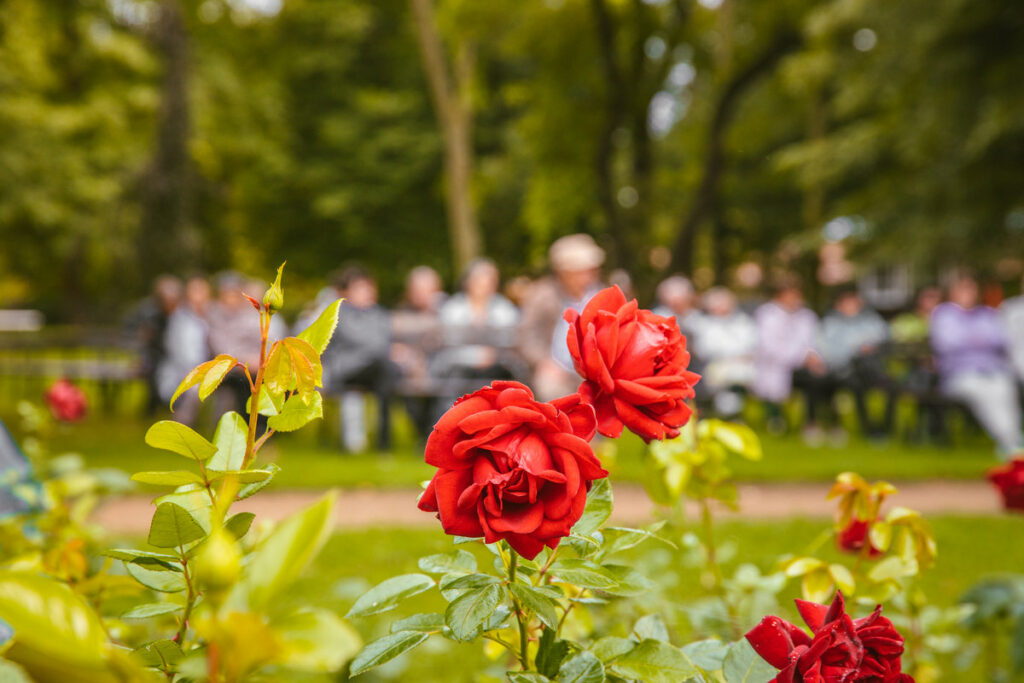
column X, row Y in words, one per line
column 415, row 338
column 971, row 354
column 358, row 358
column 912, row 327
column 747, row 280
column 725, row 338
column 575, row 262
column 1012, row 310
column 478, row 326
column 148, row 324
column 918, row 378
column 621, row 278
column 786, row 331
column 677, row 299
column 517, row 289
column 852, row 337
column 233, row 328
column 186, row 345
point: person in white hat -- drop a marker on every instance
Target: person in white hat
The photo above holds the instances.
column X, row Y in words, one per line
column 575, row 262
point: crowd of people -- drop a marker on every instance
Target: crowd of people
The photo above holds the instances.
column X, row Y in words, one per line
column 949, row 352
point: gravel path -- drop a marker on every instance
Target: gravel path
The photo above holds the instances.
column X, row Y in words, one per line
column 374, row 507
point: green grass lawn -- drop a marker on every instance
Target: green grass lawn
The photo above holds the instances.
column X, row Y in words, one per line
column 310, row 459
column 969, row 548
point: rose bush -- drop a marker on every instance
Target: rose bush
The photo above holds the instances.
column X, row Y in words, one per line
column 1009, row 479
column 512, row 468
column 840, row 649
column 66, row 401
column 853, row 537
column 633, row 365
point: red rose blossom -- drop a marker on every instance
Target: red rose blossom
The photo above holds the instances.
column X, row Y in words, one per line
column 851, row 539
column 1009, row 479
column 512, row 468
column 840, row 649
column 633, row 363
column 66, row 401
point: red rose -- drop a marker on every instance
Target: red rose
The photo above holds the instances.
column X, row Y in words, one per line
column 852, row 538
column 633, row 363
column 841, row 650
column 512, row 468
column 1009, row 479
column 66, row 401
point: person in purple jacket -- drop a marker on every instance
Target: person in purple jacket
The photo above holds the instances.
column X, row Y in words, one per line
column 971, row 355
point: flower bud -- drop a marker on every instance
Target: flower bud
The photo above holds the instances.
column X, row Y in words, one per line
column 273, row 298
column 219, row 562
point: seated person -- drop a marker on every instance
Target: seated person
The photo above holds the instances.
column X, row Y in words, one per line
column 971, row 356
column 725, row 338
column 357, row 358
column 416, row 337
column 479, row 334
column 851, row 339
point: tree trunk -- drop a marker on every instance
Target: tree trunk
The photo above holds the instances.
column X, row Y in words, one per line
column 164, row 244
column 449, row 94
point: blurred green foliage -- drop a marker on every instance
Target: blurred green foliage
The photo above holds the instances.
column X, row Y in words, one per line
column 717, row 134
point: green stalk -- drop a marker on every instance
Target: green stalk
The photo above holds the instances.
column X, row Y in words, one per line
column 524, row 659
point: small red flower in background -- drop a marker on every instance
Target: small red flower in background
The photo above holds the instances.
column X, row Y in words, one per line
column 854, row 535
column 1009, row 479
column 840, row 649
column 633, row 364
column 511, row 467
column 66, row 401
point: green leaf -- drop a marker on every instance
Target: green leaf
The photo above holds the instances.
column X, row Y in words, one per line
column 387, row 594
column 319, row 334
column 316, row 641
column 735, row 438
column 609, row 648
column 198, row 374
column 708, row 655
column 458, row 561
column 151, row 610
column 597, row 510
column 628, row 581
column 424, row 623
column 581, row 668
column 385, row 649
column 652, row 627
column 215, row 375
column 229, row 439
column 283, row 555
column 744, row 665
column 162, row 581
column 551, row 652
column 160, row 654
column 57, row 635
column 583, row 573
column 537, row 602
column 238, row 525
column 526, row 677
column 269, row 403
column 177, row 478
column 249, row 489
column 173, row 527
column 296, row 413
column 178, row 438
column 145, row 557
column 455, row 582
column 652, row 661
column 244, row 476
column 196, row 500
column 466, row 613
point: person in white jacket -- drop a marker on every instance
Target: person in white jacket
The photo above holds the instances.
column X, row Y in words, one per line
column 725, row 339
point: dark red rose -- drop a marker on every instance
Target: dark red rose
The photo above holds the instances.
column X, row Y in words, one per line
column 852, row 538
column 66, row 401
column 512, row 468
column 1009, row 479
column 633, row 364
column 840, row 649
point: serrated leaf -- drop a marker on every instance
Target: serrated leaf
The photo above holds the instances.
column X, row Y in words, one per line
column 743, row 665
column 159, row 580
column 582, row 573
column 244, row 476
column 598, row 508
column 458, row 561
column 389, row 593
column 551, row 650
column 651, row 626
column 249, row 489
column 628, row 581
column 151, row 610
column 652, row 661
column 269, row 403
column 173, row 527
column 159, row 654
column 145, row 557
column 198, row 374
column 215, row 375
column 537, row 602
column 526, row 677
column 385, row 649
column 708, row 655
column 466, row 613
column 423, row 623
column 176, row 478
column 319, row 333
column 181, row 439
column 451, row 582
column 229, row 439
column 296, row 413
column 581, row 668
column 609, row 648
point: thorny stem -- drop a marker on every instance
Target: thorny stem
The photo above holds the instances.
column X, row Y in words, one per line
column 565, row 614
column 524, row 659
